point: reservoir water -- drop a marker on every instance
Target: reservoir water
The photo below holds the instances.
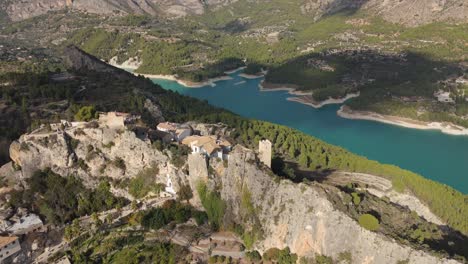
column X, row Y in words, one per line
column 440, row 157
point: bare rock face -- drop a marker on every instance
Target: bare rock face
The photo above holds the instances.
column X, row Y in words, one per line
column 87, row 152
column 300, row 217
column 406, row 12
column 23, row 9
column 419, row 12
column 198, row 171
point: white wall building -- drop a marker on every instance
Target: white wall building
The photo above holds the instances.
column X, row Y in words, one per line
column 27, row 224
column 8, row 247
column 209, row 146
column 178, row 131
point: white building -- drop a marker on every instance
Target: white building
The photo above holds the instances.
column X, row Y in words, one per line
column 8, row 247
column 27, row 224
column 178, row 131
column 208, row 145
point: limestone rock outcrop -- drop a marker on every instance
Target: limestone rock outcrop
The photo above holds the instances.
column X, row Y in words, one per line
column 87, row 152
column 300, row 217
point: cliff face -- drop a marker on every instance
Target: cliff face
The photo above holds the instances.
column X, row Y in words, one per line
column 301, row 217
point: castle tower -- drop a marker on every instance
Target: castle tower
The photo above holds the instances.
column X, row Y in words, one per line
column 264, row 151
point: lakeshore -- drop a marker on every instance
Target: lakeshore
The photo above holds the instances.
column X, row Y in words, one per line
column 306, row 98
column 433, row 154
column 447, row 128
column 302, row 97
column 309, row 100
column 132, row 64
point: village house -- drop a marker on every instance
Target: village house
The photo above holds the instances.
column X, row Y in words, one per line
column 178, row 131
column 8, row 246
column 211, row 146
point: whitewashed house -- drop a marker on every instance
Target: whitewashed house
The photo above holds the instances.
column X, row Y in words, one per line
column 210, row 146
column 27, row 224
column 178, row 131
column 8, row 247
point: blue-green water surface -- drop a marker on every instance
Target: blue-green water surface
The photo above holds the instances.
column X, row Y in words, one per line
column 435, row 155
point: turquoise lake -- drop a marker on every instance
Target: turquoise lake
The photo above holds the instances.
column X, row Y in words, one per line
column 434, row 155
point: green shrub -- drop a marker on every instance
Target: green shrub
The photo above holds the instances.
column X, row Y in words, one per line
column 345, row 257
column 253, row 255
column 74, row 143
column 86, row 113
column 185, row 192
column 119, row 163
column 322, row 259
column 200, row 217
column 356, row 198
column 283, row 256
column 144, row 182
column 213, row 205
column 369, row 222
column 62, row 199
column 171, row 211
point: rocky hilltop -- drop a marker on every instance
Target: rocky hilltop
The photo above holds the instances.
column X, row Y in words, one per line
column 19, row 10
column 308, row 217
column 408, row 12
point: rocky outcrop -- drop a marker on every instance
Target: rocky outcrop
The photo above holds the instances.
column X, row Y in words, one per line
column 19, row 10
column 408, row 12
column 80, row 60
column 301, row 217
column 419, row 12
column 87, row 152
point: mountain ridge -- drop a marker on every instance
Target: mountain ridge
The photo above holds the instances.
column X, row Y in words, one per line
column 406, row 12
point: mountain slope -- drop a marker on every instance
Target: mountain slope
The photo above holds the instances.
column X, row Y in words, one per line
column 407, row 12
column 30, row 8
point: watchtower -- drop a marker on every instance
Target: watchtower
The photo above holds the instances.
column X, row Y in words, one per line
column 264, row 151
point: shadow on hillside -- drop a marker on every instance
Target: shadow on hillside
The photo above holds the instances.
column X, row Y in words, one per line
column 410, row 77
column 347, row 8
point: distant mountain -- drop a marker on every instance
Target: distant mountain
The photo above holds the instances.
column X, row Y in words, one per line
column 407, row 12
column 19, row 10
